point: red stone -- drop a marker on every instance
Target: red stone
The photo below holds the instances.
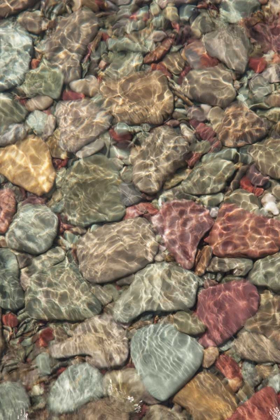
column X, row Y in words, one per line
column 8, row 206
column 69, row 95
column 34, row 199
column 183, row 74
column 142, row 209
column 120, row 137
column 231, row 370
column 159, row 52
column 256, row 177
column 45, row 337
column 258, row 64
column 161, row 67
column 35, row 63
column 193, row 158
column 246, row 184
column 205, row 132
column 10, row 320
column 59, row 163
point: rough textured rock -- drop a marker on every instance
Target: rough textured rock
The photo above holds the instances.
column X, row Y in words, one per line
column 28, row 164
column 117, row 250
column 265, row 272
column 11, row 293
column 239, row 233
column 160, row 155
column 60, row 293
column 14, row 401
column 7, row 209
column 256, row 348
column 158, row 287
column 158, row 351
column 266, row 156
column 91, row 191
column 239, row 266
column 33, row 229
column 224, row 309
column 139, row 98
column 212, row 86
column 76, row 386
column 80, row 123
column 99, row 338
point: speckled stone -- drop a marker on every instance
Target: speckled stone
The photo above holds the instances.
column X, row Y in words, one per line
column 76, row 386
column 99, row 338
column 11, row 293
column 14, row 401
column 158, row 287
column 265, row 272
column 158, row 351
column 60, row 293
column 266, row 156
column 239, row 266
column 117, row 250
column 8, row 207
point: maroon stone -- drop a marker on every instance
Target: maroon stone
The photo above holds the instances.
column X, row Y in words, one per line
column 142, row 209
column 8, row 207
column 224, row 309
column 182, row 224
column 231, row 370
column 256, row 177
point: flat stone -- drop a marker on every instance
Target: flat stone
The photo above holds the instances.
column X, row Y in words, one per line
column 266, row 157
column 91, row 191
column 237, row 300
column 76, row 386
column 80, row 123
column 158, row 351
column 206, row 398
column 60, row 293
column 233, row 12
column 99, row 338
column 229, row 238
column 11, row 112
column 241, row 126
column 158, row 287
column 14, row 401
column 242, row 198
column 33, row 229
column 265, row 273
column 8, row 207
column 161, row 154
column 139, row 98
column 117, row 250
column 256, row 347
column 16, row 49
column 28, row 164
column 239, row 266
column 211, row 85
column 11, row 293
column 182, row 224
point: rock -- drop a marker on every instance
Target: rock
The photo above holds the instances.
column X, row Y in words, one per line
column 11, row 112
column 99, row 338
column 211, row 85
column 231, row 370
column 60, row 293
column 158, row 287
column 241, row 126
column 91, row 191
column 33, row 229
column 8, row 207
column 44, row 80
column 76, row 386
column 158, row 351
column 261, row 406
column 117, row 250
column 182, row 225
column 33, row 22
column 160, row 155
column 139, row 98
column 74, row 134
column 265, row 273
column 266, row 157
column 160, row 412
column 206, row 398
column 55, row 149
column 256, row 348
column 237, row 301
column 41, row 124
column 244, row 199
column 100, row 410
column 11, row 294
column 14, row 6
column 16, row 49
column 89, row 86
column 39, row 103
column 67, row 44
column 28, row 164
column 230, row 45
column 269, row 204
column 208, row 178
column 188, row 323
column 239, row 266
column 233, row 12
column 123, row 64
column 43, row 362
column 203, row 259
column 228, row 237
column 14, row 401
column 13, row 134
column 210, row 356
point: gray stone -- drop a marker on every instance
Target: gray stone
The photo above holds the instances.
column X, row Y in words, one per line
column 41, row 124
column 266, row 273
column 11, row 112
column 14, row 401
column 11, row 293
column 239, row 266
column 234, row 11
column 244, row 199
column 43, row 363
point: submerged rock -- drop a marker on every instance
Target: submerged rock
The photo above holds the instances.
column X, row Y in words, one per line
column 266, row 155
column 11, row 293
column 238, row 266
column 265, row 272
column 8, row 206
column 235, row 11
column 256, row 347
column 11, row 112
column 14, row 401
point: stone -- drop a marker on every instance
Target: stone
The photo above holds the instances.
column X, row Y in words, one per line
column 265, row 272
column 11, row 293
column 159, row 287
column 43, row 362
column 8, row 207
column 230, row 45
column 139, row 98
column 73, row 134
column 89, row 86
column 206, row 398
column 55, row 149
column 202, row 260
column 33, row 229
column 116, row 250
column 242, row 198
column 256, row 348
column 101, row 409
column 99, row 338
column 239, row 266
column 41, row 124
column 76, row 386
column 188, row 323
column 44, row 80
column 231, row 370
column 60, row 293
column 28, row 164
column 210, row 356
column 39, row 103
column 91, row 191
column 67, row 44
column 229, row 238
column 233, row 12
column 14, row 401
column 237, row 301
column 160, row 155
column 241, row 126
column 182, row 225
column 158, row 351
column 33, row 22
column 209, row 177
column 160, row 412
column 123, row 64
column 16, row 49
column 211, row 85
column 11, row 112
column 12, row 134
column 266, row 157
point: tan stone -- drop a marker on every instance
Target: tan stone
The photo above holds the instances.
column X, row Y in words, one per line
column 210, row 356
column 28, row 164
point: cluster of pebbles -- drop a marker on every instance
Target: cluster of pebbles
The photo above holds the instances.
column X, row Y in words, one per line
column 139, row 209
